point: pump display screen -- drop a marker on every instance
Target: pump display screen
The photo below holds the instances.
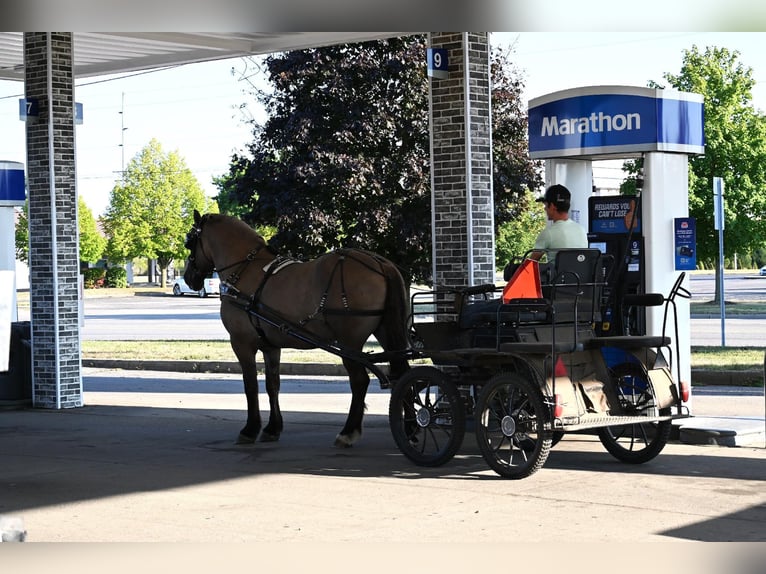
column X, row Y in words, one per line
column 613, row 214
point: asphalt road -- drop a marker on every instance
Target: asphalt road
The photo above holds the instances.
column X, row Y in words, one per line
column 158, row 317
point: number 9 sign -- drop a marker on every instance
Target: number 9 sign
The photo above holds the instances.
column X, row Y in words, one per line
column 436, row 59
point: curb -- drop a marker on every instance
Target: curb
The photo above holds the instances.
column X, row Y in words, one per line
column 227, row 367
column 699, row 376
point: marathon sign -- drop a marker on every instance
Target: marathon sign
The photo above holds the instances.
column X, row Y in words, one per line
column 603, row 120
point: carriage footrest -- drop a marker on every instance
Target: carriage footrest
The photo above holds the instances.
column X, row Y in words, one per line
column 600, row 420
column 628, row 342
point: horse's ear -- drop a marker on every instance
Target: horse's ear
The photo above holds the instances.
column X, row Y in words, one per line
column 197, row 217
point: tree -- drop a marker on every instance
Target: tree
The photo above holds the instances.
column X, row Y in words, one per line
column 152, row 208
column 22, row 234
column 515, row 173
column 735, row 149
column 343, row 159
column 92, row 242
column 518, row 236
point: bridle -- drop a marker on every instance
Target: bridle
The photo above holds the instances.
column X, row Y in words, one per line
column 194, row 239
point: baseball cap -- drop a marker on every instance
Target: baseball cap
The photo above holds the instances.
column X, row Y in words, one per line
column 558, row 195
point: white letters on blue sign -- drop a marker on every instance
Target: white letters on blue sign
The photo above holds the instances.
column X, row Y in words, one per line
column 553, row 126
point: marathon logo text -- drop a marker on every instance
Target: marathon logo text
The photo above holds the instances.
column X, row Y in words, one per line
column 594, row 123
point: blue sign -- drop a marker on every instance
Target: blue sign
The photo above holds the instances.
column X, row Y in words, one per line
column 615, row 120
column 613, row 214
column 12, row 189
column 685, row 244
column 28, row 108
column 437, row 61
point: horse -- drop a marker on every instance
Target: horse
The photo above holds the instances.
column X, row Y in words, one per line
column 342, row 298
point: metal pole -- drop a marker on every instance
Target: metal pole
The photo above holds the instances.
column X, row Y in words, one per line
column 719, row 225
column 721, row 288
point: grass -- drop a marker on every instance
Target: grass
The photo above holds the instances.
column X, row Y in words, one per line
column 733, row 308
column 710, row 358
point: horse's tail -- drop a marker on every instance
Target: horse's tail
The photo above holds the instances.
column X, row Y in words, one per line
column 396, row 317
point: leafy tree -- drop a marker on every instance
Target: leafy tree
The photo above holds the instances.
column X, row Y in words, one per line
column 515, row 174
column 517, row 236
column 92, row 242
column 735, row 150
column 343, row 159
column 22, row 234
column 152, row 208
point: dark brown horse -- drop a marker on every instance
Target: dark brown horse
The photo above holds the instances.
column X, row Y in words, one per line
column 340, row 298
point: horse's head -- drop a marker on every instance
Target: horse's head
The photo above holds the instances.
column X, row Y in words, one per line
column 199, row 264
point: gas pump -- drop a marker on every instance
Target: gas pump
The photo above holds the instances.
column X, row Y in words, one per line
column 615, row 228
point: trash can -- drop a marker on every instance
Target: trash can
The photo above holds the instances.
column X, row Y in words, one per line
column 16, row 383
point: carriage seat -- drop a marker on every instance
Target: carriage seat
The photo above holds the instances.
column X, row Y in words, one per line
column 634, row 342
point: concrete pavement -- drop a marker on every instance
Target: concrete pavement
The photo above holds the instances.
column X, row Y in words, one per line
column 150, row 457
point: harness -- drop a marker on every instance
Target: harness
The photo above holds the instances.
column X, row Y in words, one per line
column 259, row 310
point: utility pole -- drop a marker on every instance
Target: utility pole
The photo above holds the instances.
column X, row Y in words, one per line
column 122, row 135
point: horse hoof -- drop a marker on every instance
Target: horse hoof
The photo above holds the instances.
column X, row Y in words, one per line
column 342, row 442
column 269, row 437
column 244, row 439
column 346, row 441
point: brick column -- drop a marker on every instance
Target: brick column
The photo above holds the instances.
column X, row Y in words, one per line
column 53, row 233
column 461, row 159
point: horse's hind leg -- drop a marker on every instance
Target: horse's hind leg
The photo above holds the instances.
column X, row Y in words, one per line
column 399, row 366
column 274, row 427
column 245, row 352
column 359, row 381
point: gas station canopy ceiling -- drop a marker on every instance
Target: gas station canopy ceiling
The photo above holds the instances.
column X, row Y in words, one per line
column 101, row 53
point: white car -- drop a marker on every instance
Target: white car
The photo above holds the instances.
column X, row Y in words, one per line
column 762, row 270
column 212, row 284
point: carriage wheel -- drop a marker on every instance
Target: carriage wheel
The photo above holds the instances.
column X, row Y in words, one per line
column 427, row 416
column 641, row 442
column 512, row 426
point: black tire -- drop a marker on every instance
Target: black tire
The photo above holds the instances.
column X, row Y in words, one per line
column 513, row 427
column 427, row 416
column 556, row 438
column 177, row 290
column 641, row 442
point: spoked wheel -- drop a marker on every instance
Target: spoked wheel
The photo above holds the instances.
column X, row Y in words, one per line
column 427, row 416
column 513, row 426
column 641, row 442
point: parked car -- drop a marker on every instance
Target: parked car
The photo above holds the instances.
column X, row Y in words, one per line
column 762, row 271
column 212, row 285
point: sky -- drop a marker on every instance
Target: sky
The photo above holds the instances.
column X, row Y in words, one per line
column 195, row 109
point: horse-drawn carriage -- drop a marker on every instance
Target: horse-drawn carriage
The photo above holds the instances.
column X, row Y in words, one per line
column 519, row 371
column 524, row 371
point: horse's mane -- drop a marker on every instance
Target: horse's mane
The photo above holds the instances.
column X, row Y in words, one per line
column 240, row 228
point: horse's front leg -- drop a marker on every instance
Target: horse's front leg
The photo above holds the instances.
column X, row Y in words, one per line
column 271, row 363
column 359, row 381
column 245, row 353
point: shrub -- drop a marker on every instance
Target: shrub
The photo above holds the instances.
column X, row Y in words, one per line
column 93, row 278
column 116, row 277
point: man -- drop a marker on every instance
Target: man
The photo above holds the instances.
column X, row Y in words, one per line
column 563, row 233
